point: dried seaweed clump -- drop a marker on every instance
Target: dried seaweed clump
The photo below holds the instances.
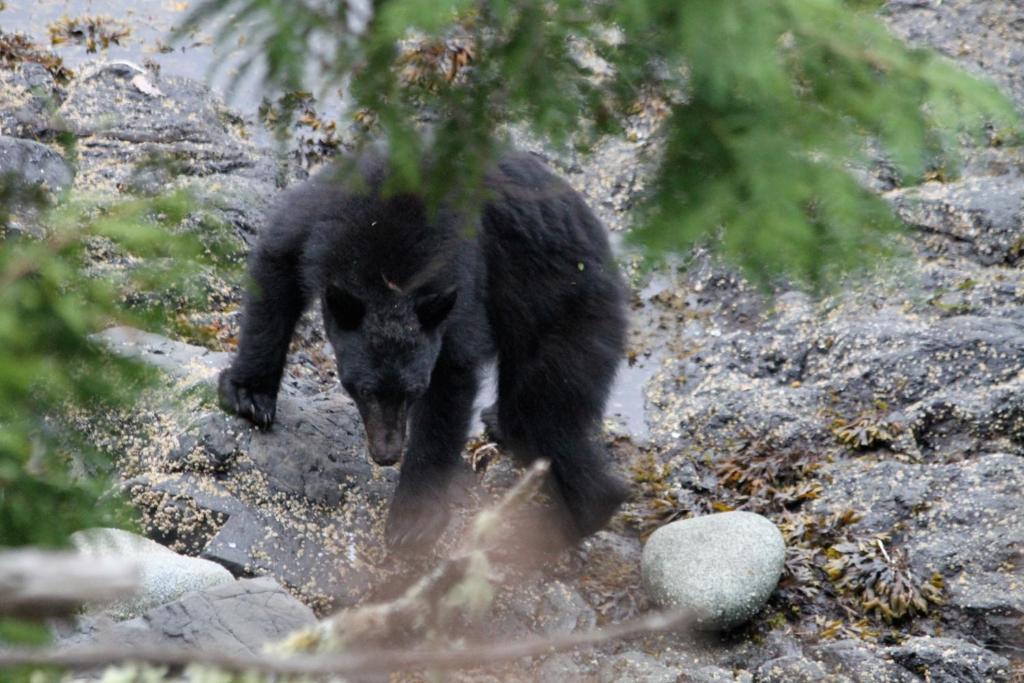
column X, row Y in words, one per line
column 426, row 63
column 660, row 502
column 864, row 432
column 316, row 139
column 758, row 478
column 764, row 478
column 17, row 49
column 93, row 32
column 881, row 579
column 807, row 538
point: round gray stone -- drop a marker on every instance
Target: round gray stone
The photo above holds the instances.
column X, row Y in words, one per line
column 723, row 567
column 164, row 574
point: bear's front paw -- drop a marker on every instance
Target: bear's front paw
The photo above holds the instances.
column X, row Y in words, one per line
column 416, row 520
column 259, row 407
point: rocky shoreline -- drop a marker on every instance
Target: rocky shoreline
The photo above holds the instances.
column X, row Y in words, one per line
column 881, row 429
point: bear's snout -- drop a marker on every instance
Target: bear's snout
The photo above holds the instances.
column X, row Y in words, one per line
column 386, row 446
column 385, row 430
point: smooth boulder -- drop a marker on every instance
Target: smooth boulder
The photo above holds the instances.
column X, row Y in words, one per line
column 722, row 567
column 165, row 575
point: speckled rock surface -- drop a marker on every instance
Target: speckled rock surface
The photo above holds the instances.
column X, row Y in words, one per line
column 723, row 567
column 987, row 37
column 300, row 503
column 235, row 618
column 947, row 660
column 121, row 111
column 29, row 94
column 637, row 667
column 35, row 164
column 978, row 217
column 164, row 576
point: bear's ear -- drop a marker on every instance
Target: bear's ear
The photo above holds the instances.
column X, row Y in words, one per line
column 434, row 308
column 346, row 310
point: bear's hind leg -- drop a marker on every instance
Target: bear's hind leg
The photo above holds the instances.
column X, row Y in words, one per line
column 550, row 406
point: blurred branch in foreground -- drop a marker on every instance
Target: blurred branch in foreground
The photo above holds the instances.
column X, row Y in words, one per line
column 459, row 582
column 372, row 661
column 56, row 293
column 35, row 583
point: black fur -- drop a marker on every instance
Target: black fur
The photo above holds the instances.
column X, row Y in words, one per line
column 415, row 302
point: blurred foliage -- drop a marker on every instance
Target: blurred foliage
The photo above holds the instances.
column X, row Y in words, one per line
column 768, row 107
column 55, row 296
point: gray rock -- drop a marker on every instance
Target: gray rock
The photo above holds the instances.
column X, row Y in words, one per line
column 30, row 95
column 947, row 660
column 165, row 575
column 716, row 674
column 237, row 200
column 35, row 164
column 168, row 133
column 560, row 668
column 195, row 364
column 860, row 662
column 182, row 511
column 300, row 502
column 236, row 618
column 979, row 217
column 637, row 667
column 795, row 669
column 723, row 567
column 962, row 521
column 559, row 608
column 984, row 36
column 209, row 445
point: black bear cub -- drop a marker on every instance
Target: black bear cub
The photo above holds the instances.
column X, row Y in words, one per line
column 416, row 299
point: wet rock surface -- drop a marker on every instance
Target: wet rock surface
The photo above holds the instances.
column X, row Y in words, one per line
column 881, row 429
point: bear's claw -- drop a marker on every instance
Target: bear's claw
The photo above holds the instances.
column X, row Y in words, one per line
column 258, row 407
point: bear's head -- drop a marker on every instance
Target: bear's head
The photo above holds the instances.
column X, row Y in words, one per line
column 386, row 348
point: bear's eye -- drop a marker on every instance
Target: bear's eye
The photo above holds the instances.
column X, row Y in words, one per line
column 347, row 310
column 361, row 391
column 434, row 308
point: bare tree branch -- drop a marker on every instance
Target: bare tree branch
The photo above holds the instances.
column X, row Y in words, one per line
column 38, row 583
column 374, row 661
column 383, row 623
column 355, row 628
